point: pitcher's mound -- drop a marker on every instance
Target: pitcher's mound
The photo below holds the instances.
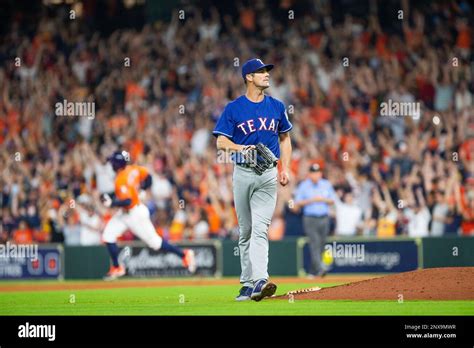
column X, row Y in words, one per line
column 450, row 283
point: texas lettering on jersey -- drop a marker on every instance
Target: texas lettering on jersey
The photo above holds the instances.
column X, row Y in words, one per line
column 262, row 123
column 249, row 123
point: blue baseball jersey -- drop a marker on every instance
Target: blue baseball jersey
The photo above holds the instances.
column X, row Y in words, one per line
column 249, row 123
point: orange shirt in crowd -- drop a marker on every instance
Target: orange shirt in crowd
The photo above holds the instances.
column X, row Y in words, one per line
column 334, row 94
column 134, row 90
column 43, row 235
column 320, row 115
column 23, row 236
column 463, row 40
column 142, row 122
column 2, row 126
column 136, row 147
column 433, row 144
column 13, row 121
column 294, row 166
column 349, row 142
column 127, row 183
column 302, row 94
column 360, row 117
column 333, row 152
column 467, row 149
column 413, row 38
column 381, row 45
column 365, row 38
column 213, row 219
column 315, row 40
column 117, row 122
column 247, row 19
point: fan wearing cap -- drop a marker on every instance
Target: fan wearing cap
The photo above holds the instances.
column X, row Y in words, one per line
column 314, row 196
column 132, row 214
column 248, row 120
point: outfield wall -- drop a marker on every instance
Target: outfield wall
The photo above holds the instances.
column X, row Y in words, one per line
column 365, row 255
column 448, row 252
column 93, row 262
column 215, row 258
column 44, row 261
column 394, row 255
column 282, row 260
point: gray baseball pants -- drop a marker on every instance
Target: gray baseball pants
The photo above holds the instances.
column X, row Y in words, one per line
column 317, row 230
column 255, row 200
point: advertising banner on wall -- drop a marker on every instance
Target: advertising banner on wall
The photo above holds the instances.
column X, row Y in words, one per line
column 141, row 261
column 366, row 256
column 23, row 261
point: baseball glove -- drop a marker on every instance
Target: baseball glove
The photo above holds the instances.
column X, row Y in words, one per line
column 260, row 158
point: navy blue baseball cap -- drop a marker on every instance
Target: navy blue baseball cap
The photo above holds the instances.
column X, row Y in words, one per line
column 253, row 65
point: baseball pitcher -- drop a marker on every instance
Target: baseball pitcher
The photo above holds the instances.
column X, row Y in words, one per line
column 254, row 127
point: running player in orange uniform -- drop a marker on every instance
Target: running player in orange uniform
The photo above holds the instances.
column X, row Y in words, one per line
column 134, row 215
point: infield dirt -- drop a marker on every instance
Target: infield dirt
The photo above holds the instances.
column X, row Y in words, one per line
column 126, row 282
column 451, row 283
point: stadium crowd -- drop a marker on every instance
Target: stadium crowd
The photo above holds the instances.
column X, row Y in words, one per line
column 158, row 91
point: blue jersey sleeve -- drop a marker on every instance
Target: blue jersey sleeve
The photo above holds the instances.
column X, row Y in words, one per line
column 285, row 124
column 225, row 125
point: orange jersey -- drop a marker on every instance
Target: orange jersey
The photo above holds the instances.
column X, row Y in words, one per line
column 127, row 183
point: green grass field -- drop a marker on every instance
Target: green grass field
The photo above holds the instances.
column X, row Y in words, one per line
column 205, row 300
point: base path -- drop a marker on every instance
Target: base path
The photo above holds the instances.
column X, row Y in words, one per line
column 450, row 283
column 125, row 282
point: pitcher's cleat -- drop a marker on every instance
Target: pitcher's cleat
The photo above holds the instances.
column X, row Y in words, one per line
column 262, row 289
column 244, row 293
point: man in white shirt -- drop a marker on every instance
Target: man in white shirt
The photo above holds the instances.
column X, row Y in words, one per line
column 418, row 216
column 105, row 176
column 161, row 190
column 418, row 221
column 463, row 98
column 98, row 165
column 90, row 222
column 440, row 214
column 91, row 225
column 348, row 216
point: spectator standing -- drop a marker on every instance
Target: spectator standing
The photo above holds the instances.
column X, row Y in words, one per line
column 348, row 216
column 23, row 235
column 440, row 213
column 418, row 217
column 90, row 222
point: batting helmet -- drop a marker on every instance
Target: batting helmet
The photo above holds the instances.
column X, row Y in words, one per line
column 119, row 159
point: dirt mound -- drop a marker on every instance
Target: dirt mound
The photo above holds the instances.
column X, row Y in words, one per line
column 451, row 283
